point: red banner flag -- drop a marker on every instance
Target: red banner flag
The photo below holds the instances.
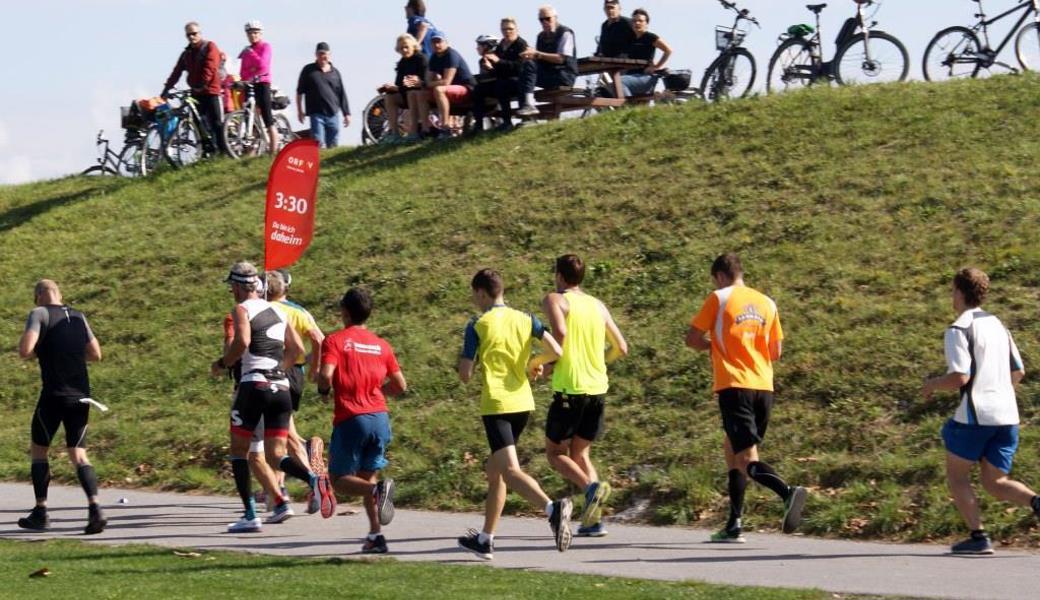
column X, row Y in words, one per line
column 292, row 188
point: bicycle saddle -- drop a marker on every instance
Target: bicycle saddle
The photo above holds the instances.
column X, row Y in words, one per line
column 816, row 8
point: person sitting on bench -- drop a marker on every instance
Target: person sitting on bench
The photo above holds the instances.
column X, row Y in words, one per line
column 553, row 63
column 505, row 64
column 448, row 81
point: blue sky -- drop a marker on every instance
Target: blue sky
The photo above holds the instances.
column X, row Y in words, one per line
column 69, row 65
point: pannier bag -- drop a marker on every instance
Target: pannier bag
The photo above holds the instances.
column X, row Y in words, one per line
column 677, row 81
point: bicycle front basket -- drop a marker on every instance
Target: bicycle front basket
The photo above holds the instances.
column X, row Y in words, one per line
column 132, row 117
column 280, row 102
column 677, row 81
column 726, row 36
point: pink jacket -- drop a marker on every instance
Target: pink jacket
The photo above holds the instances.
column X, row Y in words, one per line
column 256, row 61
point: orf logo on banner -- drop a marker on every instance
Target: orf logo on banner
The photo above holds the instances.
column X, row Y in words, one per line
column 291, row 189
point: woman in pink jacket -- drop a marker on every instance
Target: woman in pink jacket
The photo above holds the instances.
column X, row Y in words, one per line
column 256, row 68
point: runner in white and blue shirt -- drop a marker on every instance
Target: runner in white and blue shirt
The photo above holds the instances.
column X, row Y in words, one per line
column 984, row 365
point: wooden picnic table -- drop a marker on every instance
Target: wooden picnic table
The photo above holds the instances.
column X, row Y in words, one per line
column 615, row 67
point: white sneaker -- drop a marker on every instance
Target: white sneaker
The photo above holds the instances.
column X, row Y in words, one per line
column 245, row 525
column 527, row 110
column 281, row 513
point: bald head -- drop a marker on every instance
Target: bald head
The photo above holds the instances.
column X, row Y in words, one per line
column 46, row 292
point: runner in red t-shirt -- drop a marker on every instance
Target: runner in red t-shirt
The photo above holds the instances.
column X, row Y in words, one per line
column 360, row 367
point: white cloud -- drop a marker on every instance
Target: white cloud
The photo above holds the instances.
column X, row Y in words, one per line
column 15, row 169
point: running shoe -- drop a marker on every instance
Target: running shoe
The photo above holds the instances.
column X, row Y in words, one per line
column 973, row 545
column 245, row 525
column 560, row 522
column 322, row 490
column 281, row 513
column 793, row 508
column 727, row 536
column 471, row 541
column 316, row 455
column 385, row 501
column 376, row 546
column 597, row 530
column 595, row 495
column 37, row 520
column 96, row 521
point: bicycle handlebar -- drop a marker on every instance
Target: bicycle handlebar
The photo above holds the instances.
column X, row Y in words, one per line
column 742, row 13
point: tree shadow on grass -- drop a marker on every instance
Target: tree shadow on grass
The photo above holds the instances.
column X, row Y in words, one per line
column 16, row 217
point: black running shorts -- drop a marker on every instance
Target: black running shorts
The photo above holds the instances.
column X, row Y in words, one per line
column 256, row 399
column 296, row 382
column 52, row 411
column 745, row 416
column 263, row 102
column 574, row 415
column 504, row 430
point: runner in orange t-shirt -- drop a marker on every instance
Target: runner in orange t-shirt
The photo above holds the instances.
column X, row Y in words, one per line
column 741, row 328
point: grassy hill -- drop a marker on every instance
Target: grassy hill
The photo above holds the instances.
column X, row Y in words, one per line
column 851, row 207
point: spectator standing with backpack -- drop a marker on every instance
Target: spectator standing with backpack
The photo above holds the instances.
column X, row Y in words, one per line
column 201, row 60
column 256, row 69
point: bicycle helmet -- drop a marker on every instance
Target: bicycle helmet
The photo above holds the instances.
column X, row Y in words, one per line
column 801, row 30
column 254, row 26
column 489, row 42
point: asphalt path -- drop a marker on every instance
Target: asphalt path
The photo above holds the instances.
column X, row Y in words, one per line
column 666, row 553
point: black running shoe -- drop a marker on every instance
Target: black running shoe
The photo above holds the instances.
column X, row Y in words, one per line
column 37, row 520
column 471, row 542
column 793, row 509
column 973, row 545
column 385, row 501
column 560, row 521
column 376, row 546
column 96, row 521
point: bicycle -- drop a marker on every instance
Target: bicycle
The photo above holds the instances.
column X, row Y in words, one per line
column 734, row 70
column 245, row 133
column 864, row 55
column 124, row 164
column 957, row 51
column 177, row 137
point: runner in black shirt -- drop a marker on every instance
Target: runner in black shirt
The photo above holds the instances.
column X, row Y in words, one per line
column 62, row 341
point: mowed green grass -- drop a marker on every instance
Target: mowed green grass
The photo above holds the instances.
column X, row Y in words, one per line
column 851, row 207
column 147, row 571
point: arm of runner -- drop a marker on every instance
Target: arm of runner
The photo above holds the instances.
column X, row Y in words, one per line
column 468, row 357
column 325, row 380
column 553, row 306
column 395, row 384
column 618, row 345
column 1018, row 370
column 293, row 348
column 93, row 350
column 316, row 337
column 947, row 382
column 697, row 339
column 31, row 336
column 240, row 342
column 958, row 365
column 551, row 351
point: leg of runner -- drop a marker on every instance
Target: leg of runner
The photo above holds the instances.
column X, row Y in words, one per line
column 505, row 465
column 596, row 492
column 277, row 457
column 41, row 478
column 560, row 458
column 793, row 497
column 243, row 483
column 365, row 484
column 88, row 481
column 958, row 478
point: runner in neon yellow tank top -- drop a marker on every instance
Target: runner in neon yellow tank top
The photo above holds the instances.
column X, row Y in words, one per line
column 583, row 326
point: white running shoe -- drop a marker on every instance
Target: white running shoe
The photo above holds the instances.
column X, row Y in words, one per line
column 281, row 513
column 245, row 525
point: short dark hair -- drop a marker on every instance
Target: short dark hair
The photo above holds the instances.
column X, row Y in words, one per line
column 729, row 264
column 571, row 268
column 641, row 11
column 358, row 304
column 418, row 7
column 488, row 280
column 973, row 284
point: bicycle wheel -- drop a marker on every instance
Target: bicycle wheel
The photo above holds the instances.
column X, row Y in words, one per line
column 98, row 170
column 152, row 152
column 285, row 131
column 375, row 122
column 130, row 160
column 731, row 76
column 185, row 145
column 241, row 140
column 1027, row 47
column 952, row 54
column 883, row 59
column 791, row 66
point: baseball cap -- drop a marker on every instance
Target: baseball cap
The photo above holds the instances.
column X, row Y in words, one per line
column 242, row 272
column 439, row 36
column 322, row 47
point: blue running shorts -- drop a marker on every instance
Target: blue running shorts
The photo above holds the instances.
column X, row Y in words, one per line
column 359, row 444
column 995, row 443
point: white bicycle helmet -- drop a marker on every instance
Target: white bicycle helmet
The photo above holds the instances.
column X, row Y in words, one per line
column 488, row 41
column 254, row 26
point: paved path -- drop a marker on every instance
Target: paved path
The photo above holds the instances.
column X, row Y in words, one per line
column 669, row 553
